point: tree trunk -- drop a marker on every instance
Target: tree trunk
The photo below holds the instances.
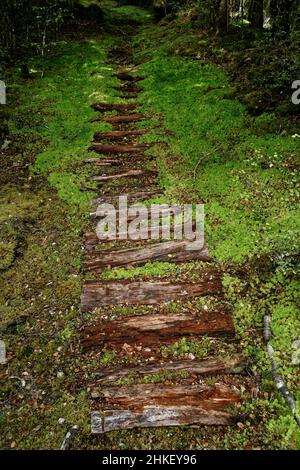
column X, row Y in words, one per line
column 223, row 17
column 256, row 14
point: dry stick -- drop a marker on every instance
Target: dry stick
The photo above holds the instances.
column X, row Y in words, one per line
column 280, row 384
column 69, row 437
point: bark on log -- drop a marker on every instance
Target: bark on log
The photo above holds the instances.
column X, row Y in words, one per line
column 154, row 417
column 97, row 293
column 117, row 135
column 209, row 366
column 126, row 77
column 136, row 397
column 103, row 107
column 174, row 251
column 91, row 240
column 131, row 197
column 102, row 162
column 135, row 117
column 127, row 174
column 155, row 329
column 117, row 149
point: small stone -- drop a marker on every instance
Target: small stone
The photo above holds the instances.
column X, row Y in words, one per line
column 61, row 420
column 191, row 356
column 60, row 374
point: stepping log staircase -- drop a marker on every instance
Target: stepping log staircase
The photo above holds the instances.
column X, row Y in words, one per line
column 192, row 400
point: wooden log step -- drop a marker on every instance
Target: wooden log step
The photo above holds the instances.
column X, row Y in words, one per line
column 96, row 293
column 155, row 417
column 136, row 397
column 173, row 251
column 129, row 87
column 122, row 107
column 102, row 161
column 210, row 366
column 173, row 406
column 155, row 212
column 155, row 329
column 118, row 149
column 91, row 240
column 126, row 77
column 127, row 174
column 126, row 118
column 131, row 197
column 117, row 135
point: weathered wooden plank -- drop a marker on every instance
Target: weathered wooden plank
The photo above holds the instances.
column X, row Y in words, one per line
column 119, row 149
column 126, row 77
column 131, row 197
column 126, row 118
column 210, row 366
column 154, row 417
column 154, row 329
column 102, row 161
column 127, row 174
column 121, row 107
column 91, row 240
column 148, row 406
column 96, row 293
column 134, row 397
column 117, row 135
column 157, row 212
column 173, row 251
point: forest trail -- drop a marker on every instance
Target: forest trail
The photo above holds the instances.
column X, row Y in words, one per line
column 152, row 391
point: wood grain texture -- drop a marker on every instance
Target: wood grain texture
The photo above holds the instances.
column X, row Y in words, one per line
column 154, row 330
column 174, row 251
column 210, row 366
column 97, row 293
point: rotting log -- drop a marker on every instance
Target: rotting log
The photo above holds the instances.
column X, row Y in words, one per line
column 131, row 197
column 123, row 107
column 210, row 366
column 126, row 77
column 173, row 406
column 91, row 240
column 122, row 118
column 173, row 251
column 127, row 174
column 117, row 135
column 155, row 213
column 136, row 397
column 96, row 293
column 102, row 161
column 118, row 149
column 155, row 329
column 154, row 417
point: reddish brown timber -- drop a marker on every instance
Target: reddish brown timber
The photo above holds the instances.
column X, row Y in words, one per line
column 136, row 397
column 127, row 174
column 131, row 197
column 135, row 117
column 123, row 107
column 129, row 87
column 117, row 135
column 210, row 366
column 173, row 251
column 155, row 329
column 97, row 293
column 117, row 149
column 126, row 77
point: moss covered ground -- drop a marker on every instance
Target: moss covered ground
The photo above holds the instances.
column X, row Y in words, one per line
column 244, row 168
